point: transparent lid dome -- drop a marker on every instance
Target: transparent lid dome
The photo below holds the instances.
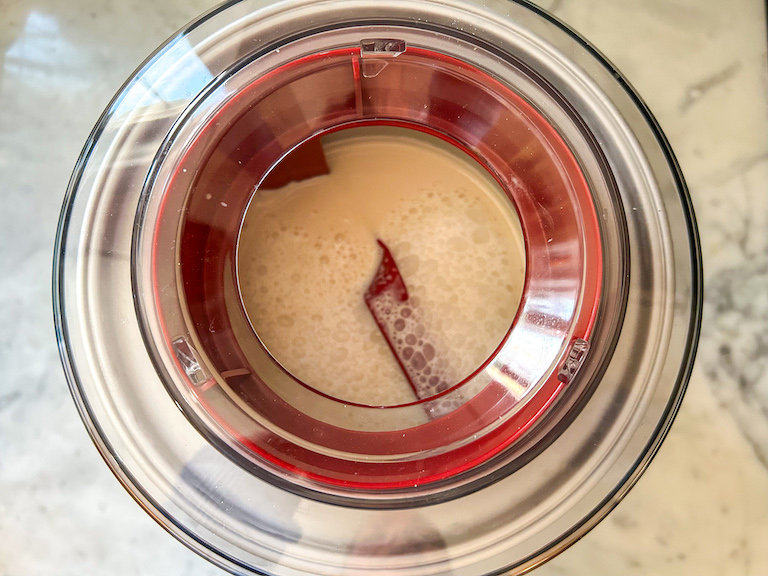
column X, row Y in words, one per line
column 344, row 288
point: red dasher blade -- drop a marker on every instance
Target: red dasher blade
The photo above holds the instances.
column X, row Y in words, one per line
column 400, row 324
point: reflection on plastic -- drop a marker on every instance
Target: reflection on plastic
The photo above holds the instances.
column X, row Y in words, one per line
column 392, row 537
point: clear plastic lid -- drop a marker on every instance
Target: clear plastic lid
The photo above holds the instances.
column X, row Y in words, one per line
column 344, row 288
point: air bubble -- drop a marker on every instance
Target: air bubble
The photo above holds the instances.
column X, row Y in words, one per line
column 481, row 236
column 458, row 244
column 339, row 354
column 418, row 361
column 341, row 336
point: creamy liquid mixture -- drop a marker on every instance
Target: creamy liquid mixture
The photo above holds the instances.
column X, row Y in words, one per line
column 308, row 252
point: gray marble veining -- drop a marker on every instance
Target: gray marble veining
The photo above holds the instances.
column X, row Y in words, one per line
column 734, row 349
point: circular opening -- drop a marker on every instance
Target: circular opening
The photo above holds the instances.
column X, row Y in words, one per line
column 264, row 148
column 380, row 266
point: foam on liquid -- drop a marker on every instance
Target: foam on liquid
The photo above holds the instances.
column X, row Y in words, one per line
column 308, row 252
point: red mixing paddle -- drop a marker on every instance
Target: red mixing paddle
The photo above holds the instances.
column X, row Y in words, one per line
column 414, row 349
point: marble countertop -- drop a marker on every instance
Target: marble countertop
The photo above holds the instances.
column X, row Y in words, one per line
column 702, row 508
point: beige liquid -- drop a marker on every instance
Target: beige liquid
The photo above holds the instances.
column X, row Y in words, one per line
column 308, row 252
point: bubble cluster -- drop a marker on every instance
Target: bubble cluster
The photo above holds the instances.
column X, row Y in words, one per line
column 308, row 252
column 428, row 373
column 458, row 260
